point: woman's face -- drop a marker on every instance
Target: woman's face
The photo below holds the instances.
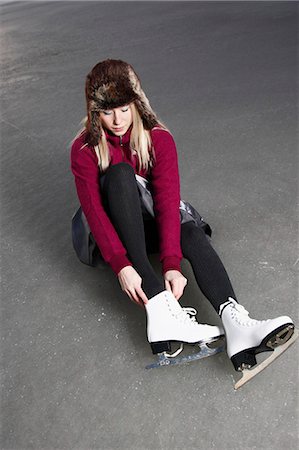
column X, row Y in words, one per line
column 117, row 120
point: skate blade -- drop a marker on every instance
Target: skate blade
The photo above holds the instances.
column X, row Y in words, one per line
column 248, row 374
column 206, row 350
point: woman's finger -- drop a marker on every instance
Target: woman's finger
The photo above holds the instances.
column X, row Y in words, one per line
column 178, row 288
column 134, row 296
column 167, row 286
column 141, row 294
column 175, row 289
column 129, row 294
column 180, row 293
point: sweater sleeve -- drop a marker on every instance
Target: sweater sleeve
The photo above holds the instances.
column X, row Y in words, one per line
column 85, row 169
column 166, row 196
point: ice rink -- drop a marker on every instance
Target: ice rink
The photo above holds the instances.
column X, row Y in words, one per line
column 223, row 77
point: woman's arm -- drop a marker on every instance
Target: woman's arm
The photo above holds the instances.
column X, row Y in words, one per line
column 85, row 169
column 166, row 196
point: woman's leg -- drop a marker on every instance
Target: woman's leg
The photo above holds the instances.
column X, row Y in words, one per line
column 123, row 205
column 208, row 269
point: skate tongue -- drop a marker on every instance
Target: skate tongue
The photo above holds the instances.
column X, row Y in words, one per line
column 230, row 301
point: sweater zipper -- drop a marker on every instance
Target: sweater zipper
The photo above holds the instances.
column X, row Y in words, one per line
column 121, row 146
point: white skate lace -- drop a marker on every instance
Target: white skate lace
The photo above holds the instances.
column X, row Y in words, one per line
column 191, row 311
column 241, row 310
column 187, row 315
column 244, row 316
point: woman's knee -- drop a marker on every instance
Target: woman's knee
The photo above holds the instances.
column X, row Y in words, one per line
column 120, row 169
column 192, row 235
column 121, row 174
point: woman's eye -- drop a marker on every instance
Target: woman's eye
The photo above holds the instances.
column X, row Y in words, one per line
column 107, row 113
column 125, row 109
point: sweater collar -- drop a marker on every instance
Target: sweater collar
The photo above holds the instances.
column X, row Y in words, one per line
column 117, row 140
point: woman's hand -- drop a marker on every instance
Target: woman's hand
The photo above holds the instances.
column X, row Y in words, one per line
column 175, row 282
column 130, row 282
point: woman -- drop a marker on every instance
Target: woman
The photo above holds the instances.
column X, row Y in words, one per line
column 123, row 138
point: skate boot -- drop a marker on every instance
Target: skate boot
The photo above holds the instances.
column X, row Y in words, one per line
column 167, row 321
column 246, row 337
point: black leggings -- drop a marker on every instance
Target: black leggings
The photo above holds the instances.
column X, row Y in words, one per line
column 140, row 237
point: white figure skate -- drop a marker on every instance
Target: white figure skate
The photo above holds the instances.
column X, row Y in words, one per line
column 168, row 322
column 246, row 337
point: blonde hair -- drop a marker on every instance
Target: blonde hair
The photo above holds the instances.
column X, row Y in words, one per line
column 140, row 144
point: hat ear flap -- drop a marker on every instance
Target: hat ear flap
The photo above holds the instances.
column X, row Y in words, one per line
column 95, row 127
column 147, row 115
column 142, row 103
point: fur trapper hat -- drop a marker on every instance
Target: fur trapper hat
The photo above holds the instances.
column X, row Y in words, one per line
column 110, row 84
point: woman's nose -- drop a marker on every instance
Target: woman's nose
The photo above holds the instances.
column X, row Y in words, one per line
column 116, row 118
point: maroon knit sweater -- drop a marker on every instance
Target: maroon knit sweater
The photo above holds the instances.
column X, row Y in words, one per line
column 164, row 177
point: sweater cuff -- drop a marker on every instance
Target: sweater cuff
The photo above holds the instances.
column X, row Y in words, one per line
column 171, row 263
column 118, row 262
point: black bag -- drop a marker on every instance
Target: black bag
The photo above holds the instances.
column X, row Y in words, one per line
column 83, row 240
column 187, row 212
